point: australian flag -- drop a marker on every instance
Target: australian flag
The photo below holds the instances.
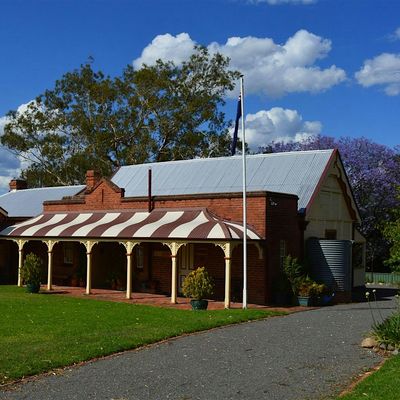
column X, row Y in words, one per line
column 235, row 132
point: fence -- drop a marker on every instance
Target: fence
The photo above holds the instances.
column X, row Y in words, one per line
column 380, row 277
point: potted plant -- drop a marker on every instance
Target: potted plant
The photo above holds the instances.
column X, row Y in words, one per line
column 31, row 272
column 305, row 291
column 115, row 281
column 198, row 285
column 309, row 292
column 323, row 295
column 293, row 271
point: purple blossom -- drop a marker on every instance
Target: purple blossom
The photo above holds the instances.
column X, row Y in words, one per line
column 374, row 174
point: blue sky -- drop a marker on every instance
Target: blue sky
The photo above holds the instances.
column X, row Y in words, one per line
column 311, row 66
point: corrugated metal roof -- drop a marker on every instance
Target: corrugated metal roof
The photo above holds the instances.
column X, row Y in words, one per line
column 293, row 172
column 195, row 224
column 29, row 202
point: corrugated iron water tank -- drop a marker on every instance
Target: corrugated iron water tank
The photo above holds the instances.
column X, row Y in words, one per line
column 330, row 262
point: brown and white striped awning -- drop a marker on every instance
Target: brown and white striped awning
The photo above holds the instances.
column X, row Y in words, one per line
column 195, row 224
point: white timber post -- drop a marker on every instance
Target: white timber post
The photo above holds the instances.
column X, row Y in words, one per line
column 174, row 290
column 227, row 249
column 129, row 246
column 174, row 247
column 89, row 246
column 20, row 244
column 227, row 302
column 50, row 245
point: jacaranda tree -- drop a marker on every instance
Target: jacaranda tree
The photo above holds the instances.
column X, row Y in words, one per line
column 374, row 173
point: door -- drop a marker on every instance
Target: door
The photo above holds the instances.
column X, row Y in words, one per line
column 185, row 263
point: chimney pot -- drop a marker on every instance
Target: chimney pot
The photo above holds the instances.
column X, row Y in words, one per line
column 18, row 184
column 91, row 179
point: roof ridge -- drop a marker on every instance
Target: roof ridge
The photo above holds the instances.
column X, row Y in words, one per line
column 42, row 188
column 206, row 159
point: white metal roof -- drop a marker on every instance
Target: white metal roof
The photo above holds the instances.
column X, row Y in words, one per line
column 292, row 172
column 29, row 202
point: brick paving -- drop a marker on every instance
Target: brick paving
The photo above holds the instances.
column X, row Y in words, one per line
column 158, row 300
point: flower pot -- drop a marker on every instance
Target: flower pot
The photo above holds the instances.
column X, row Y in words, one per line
column 33, row 287
column 326, row 299
column 304, row 301
column 199, row 304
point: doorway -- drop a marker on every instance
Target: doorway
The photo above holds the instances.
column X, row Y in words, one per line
column 185, row 263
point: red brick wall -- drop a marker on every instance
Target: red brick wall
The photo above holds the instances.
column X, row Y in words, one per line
column 8, row 262
column 105, row 197
column 229, row 208
column 282, row 223
column 274, row 216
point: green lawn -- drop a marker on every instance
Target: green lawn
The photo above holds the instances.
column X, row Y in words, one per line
column 41, row 332
column 383, row 384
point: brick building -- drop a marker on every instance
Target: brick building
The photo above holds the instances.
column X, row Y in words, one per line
column 142, row 231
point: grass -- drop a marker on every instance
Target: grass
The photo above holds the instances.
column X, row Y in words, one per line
column 40, row 332
column 383, row 384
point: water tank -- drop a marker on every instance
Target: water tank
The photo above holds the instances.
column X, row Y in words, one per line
column 330, row 262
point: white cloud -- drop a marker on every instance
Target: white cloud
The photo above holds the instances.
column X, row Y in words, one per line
column 269, row 68
column 395, row 35
column 166, row 47
column 382, row 70
column 278, row 124
column 279, row 2
column 10, row 165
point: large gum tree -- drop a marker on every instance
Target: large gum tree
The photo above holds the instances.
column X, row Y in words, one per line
column 92, row 121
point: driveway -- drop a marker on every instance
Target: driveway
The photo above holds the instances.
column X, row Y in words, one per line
column 307, row 355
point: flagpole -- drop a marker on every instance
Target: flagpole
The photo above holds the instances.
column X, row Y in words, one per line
column 244, row 304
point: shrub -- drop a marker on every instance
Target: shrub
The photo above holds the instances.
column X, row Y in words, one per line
column 31, row 269
column 198, row 284
column 306, row 287
column 387, row 332
column 294, row 272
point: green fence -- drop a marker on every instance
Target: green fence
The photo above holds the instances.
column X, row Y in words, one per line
column 380, row 277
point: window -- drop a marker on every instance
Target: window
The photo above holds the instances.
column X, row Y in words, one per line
column 139, row 257
column 282, row 252
column 68, row 250
column 186, row 257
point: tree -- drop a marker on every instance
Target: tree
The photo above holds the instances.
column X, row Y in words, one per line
column 374, row 174
column 392, row 234
column 92, row 121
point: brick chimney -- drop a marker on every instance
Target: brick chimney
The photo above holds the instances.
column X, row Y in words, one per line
column 18, row 184
column 92, row 178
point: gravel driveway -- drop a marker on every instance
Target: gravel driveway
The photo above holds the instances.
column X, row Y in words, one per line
column 307, row 355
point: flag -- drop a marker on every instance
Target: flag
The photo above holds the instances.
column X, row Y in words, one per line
column 235, row 132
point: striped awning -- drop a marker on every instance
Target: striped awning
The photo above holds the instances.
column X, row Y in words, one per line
column 195, row 224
